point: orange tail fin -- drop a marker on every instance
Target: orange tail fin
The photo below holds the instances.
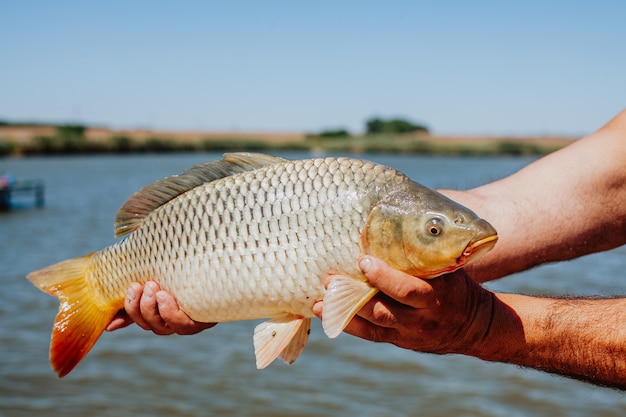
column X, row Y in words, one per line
column 82, row 315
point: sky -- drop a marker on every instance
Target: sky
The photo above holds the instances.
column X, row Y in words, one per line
column 458, row 67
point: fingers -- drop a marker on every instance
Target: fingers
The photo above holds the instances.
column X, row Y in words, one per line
column 365, row 329
column 402, row 303
column 144, row 310
column 429, row 315
column 359, row 326
column 120, row 321
column 317, row 309
column 155, row 310
column 383, row 311
column 175, row 318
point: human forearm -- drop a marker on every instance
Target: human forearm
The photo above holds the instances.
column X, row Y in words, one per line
column 580, row 338
column 567, row 204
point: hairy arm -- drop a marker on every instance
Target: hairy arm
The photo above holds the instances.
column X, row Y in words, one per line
column 565, row 205
column 579, row 338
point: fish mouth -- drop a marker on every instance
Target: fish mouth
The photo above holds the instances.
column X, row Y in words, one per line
column 472, row 251
column 477, row 247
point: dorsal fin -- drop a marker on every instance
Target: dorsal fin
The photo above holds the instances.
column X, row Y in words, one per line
column 143, row 202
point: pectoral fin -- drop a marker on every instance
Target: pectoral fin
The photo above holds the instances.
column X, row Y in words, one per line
column 283, row 337
column 343, row 299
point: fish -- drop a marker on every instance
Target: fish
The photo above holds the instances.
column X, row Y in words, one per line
column 254, row 236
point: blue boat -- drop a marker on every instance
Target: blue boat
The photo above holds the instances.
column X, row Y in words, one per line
column 10, row 189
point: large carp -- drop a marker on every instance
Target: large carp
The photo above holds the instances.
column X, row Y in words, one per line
column 254, row 236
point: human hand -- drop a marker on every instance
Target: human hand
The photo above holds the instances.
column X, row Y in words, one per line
column 156, row 310
column 448, row 314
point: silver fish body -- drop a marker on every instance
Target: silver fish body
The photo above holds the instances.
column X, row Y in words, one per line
column 253, row 245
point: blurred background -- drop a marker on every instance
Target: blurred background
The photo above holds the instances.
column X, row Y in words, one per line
column 98, row 99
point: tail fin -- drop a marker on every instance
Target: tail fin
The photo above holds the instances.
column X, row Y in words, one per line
column 81, row 318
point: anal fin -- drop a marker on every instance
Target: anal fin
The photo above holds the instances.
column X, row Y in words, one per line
column 343, row 299
column 283, row 337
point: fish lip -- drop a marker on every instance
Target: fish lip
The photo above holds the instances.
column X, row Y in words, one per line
column 474, row 246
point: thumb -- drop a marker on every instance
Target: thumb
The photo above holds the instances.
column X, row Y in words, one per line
column 400, row 286
column 375, row 269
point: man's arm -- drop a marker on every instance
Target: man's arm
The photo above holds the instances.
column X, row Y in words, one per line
column 579, row 338
column 565, row 205
column 583, row 338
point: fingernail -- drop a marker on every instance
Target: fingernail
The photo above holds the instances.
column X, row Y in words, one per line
column 365, row 264
column 130, row 294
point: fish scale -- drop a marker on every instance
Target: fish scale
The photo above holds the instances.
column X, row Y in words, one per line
column 223, row 274
column 254, row 236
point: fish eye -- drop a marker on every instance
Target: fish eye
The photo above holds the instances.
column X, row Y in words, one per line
column 434, row 227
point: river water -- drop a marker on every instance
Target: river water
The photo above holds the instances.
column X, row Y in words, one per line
column 135, row 373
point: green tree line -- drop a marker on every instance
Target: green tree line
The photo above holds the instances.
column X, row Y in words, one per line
column 377, row 126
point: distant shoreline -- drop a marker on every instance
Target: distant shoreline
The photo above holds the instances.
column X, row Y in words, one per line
column 25, row 140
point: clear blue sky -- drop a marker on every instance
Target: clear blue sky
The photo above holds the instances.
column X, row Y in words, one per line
column 475, row 67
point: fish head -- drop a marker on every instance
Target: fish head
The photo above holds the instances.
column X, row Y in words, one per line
column 436, row 243
column 426, row 234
